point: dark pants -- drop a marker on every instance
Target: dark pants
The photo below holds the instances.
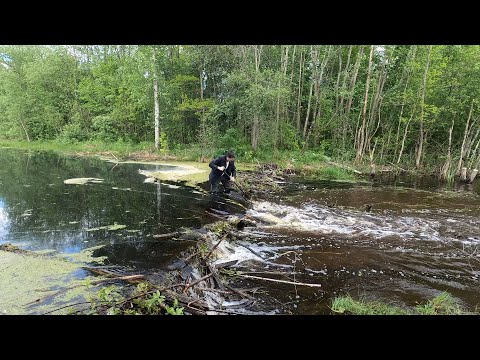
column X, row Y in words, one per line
column 215, row 180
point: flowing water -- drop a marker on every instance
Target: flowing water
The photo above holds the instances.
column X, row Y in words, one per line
column 399, row 242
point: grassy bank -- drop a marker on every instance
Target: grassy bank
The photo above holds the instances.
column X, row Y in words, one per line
column 308, row 164
column 443, row 304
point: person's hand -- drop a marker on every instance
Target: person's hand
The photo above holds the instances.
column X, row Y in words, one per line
column 221, row 168
column 232, row 178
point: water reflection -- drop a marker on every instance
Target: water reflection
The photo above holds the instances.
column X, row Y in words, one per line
column 39, row 211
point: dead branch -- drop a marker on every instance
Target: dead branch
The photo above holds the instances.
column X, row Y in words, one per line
column 278, row 281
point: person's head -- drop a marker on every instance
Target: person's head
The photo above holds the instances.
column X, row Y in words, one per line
column 230, row 156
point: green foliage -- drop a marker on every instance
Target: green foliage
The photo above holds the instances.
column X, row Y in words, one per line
column 218, row 97
column 163, row 142
column 72, row 133
column 109, row 294
column 104, row 128
column 141, row 301
column 175, row 309
column 232, row 139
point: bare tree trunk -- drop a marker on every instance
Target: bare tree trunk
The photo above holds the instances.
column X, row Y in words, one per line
column 201, row 84
column 385, row 146
column 421, row 132
column 376, row 105
column 300, row 87
column 283, row 70
column 157, row 105
column 316, row 115
column 338, row 77
column 410, row 58
column 470, row 146
column 293, row 64
column 474, row 154
column 256, row 123
column 353, row 81
column 345, row 73
column 473, row 175
column 25, row 129
column 361, row 132
column 404, row 137
column 462, row 149
column 314, row 61
column 446, row 166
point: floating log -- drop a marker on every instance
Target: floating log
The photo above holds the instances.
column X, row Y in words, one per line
column 166, row 236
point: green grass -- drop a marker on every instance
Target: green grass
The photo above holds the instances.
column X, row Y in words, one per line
column 335, row 173
column 347, row 305
column 443, row 304
column 120, row 148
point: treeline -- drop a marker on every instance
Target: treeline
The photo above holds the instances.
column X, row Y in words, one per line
column 410, row 106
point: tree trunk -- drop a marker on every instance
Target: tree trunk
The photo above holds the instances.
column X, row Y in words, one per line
column 446, row 166
column 293, row 64
column 314, row 61
column 155, row 97
column 361, row 132
column 277, row 124
column 338, row 77
column 353, row 81
column 404, row 137
column 472, row 141
column 256, row 123
column 377, row 105
column 465, row 134
column 474, row 154
column 201, row 84
column 473, row 175
column 421, row 132
column 300, row 88
column 316, row 115
column 344, row 81
column 410, row 57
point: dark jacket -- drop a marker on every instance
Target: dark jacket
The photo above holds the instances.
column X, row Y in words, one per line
column 222, row 161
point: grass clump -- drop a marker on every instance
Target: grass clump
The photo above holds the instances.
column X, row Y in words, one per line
column 347, row 305
column 443, row 304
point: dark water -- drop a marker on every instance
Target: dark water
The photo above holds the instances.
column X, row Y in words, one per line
column 401, row 241
column 39, row 211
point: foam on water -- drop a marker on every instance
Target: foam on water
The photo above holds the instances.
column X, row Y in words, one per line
column 321, row 220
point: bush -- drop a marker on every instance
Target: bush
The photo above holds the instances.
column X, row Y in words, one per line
column 234, row 140
column 73, row 132
column 105, row 128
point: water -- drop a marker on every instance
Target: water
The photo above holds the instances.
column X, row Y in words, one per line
column 401, row 242
column 411, row 244
column 38, row 211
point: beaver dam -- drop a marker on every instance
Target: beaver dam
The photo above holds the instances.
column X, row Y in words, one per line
column 120, row 238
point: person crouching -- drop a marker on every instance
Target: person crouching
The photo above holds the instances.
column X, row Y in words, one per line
column 223, row 170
